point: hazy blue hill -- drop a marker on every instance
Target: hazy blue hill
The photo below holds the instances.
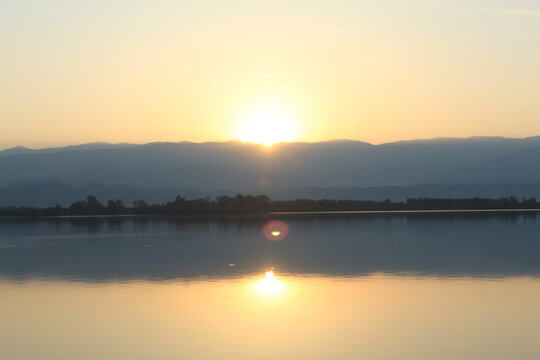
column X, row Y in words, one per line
column 89, row 146
column 43, row 194
column 519, row 166
column 228, row 167
column 401, row 193
column 16, row 150
column 50, row 193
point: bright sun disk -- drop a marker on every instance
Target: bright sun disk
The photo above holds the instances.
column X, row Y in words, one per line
column 267, row 124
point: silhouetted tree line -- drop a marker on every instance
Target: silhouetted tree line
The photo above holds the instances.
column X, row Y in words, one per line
column 261, row 204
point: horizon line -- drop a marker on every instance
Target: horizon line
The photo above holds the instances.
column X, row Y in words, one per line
column 52, row 147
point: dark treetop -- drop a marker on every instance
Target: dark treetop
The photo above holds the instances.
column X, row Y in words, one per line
column 261, row 204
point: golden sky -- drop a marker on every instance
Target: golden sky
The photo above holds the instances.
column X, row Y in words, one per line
column 207, row 70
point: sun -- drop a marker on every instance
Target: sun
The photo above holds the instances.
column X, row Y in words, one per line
column 267, row 124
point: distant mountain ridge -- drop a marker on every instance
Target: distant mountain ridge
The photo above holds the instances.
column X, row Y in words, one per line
column 350, row 168
column 88, row 146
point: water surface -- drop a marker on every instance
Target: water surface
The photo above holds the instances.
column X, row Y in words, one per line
column 356, row 287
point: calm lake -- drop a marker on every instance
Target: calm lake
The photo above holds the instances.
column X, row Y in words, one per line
column 405, row 286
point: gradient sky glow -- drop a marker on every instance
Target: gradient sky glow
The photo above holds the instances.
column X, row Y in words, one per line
column 169, row 70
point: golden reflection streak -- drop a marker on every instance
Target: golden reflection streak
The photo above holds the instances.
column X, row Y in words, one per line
column 269, row 286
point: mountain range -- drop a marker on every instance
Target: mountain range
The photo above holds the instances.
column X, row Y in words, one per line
column 157, row 172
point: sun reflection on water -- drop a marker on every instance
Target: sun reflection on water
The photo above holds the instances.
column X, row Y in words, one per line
column 269, row 286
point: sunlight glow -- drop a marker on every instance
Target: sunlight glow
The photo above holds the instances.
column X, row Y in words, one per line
column 269, row 286
column 267, row 124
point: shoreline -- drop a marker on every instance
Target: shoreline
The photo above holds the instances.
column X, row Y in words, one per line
column 427, row 211
column 281, row 213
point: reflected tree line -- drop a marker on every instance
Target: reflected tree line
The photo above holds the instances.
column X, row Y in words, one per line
column 261, row 204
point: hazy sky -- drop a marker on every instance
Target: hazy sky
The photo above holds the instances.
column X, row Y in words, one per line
column 170, row 70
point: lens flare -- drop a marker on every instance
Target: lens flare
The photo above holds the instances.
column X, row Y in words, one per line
column 275, row 230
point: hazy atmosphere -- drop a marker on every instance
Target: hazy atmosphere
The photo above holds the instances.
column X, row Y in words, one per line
column 377, row 71
column 269, row 179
